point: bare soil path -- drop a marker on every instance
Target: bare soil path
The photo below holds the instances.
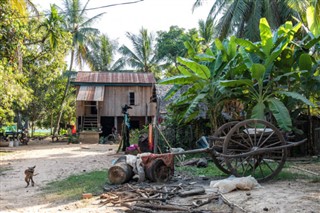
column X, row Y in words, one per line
column 56, row 161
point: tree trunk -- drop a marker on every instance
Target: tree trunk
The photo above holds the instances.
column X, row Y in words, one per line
column 51, row 123
column 64, row 97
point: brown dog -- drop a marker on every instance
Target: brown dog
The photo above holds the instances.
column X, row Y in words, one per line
column 29, row 175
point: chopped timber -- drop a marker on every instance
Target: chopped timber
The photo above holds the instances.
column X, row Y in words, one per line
column 120, row 173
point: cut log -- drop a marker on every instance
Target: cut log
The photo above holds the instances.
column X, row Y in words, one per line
column 120, row 173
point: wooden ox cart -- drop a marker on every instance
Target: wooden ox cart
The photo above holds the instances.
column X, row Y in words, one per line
column 250, row 147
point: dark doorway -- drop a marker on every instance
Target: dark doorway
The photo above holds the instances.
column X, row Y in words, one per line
column 93, row 110
column 107, row 123
column 134, row 124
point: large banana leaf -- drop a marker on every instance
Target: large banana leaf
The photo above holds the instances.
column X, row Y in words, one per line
column 236, row 83
column 200, row 70
column 250, row 47
column 179, row 79
column 313, row 19
column 184, row 71
column 266, row 36
column 232, row 48
column 297, row 96
column 172, row 92
column 204, row 57
column 312, row 42
column 258, row 111
column 281, row 113
column 246, row 58
column 257, row 71
column 305, row 62
column 288, row 74
column 194, row 105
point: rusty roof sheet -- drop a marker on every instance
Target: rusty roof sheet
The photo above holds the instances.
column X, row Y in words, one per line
column 90, row 93
column 115, row 78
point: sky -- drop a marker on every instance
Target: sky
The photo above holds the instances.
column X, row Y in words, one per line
column 153, row 15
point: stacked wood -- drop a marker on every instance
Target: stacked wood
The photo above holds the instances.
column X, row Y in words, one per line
column 165, row 198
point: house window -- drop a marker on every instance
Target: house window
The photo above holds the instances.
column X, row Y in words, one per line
column 131, row 98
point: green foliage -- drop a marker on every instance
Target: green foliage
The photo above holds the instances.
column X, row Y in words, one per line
column 210, row 171
column 30, row 64
column 263, row 92
column 313, row 18
column 142, row 57
column 136, row 133
column 170, row 44
column 199, row 81
column 74, row 186
column 265, row 75
column 242, row 18
column 101, row 55
column 13, row 91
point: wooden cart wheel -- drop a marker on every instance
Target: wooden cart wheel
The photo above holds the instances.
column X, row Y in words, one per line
column 251, row 135
column 217, row 145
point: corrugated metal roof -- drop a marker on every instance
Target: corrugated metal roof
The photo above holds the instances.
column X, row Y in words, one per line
column 90, row 93
column 115, row 78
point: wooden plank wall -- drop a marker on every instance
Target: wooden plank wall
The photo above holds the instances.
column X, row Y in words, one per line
column 115, row 97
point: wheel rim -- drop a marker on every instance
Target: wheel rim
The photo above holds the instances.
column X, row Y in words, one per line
column 221, row 132
column 251, row 135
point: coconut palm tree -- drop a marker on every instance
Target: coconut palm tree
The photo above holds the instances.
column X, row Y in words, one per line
column 80, row 26
column 101, row 55
column 206, row 30
column 142, row 56
column 53, row 26
column 241, row 17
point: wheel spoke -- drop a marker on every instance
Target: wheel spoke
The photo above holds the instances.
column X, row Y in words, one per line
column 267, row 164
column 261, row 136
column 273, row 144
column 247, row 132
column 265, row 140
column 240, row 144
column 245, row 140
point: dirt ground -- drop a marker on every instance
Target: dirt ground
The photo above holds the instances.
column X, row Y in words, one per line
column 58, row 160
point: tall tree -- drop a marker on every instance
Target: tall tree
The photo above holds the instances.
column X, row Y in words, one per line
column 53, row 27
column 80, row 26
column 170, row 44
column 206, row 30
column 13, row 92
column 142, row 57
column 241, row 17
column 101, row 55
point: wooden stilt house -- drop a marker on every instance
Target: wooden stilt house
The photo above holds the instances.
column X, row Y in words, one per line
column 101, row 96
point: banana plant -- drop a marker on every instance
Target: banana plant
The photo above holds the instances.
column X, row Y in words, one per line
column 263, row 62
column 198, row 81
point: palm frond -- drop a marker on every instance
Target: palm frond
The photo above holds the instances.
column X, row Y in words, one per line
column 92, row 20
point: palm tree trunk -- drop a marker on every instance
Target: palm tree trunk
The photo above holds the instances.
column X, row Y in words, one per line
column 64, row 97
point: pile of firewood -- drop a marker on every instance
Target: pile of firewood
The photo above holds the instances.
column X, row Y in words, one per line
column 164, row 198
